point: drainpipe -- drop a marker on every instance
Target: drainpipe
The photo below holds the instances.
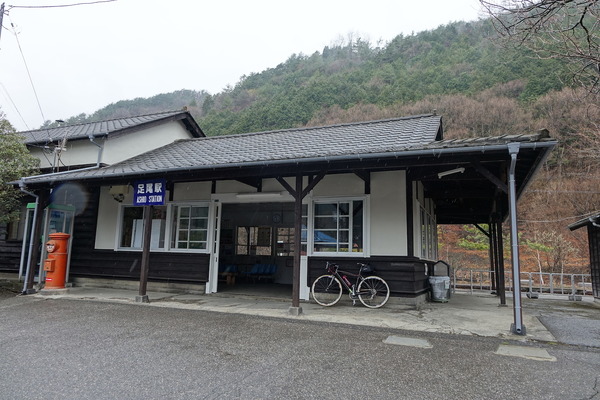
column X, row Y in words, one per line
column 100, row 149
column 517, row 327
column 32, row 239
column 593, row 222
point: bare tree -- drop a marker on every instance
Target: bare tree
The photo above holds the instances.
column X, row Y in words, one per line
column 564, row 29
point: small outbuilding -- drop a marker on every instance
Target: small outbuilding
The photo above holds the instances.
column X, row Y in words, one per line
column 593, row 229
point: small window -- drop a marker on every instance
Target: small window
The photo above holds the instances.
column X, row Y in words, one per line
column 132, row 228
column 190, row 227
column 338, row 227
column 285, row 242
column 254, row 240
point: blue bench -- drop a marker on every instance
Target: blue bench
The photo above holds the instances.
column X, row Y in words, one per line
column 228, row 274
column 262, row 272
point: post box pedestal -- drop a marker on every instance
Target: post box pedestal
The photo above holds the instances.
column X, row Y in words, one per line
column 56, row 263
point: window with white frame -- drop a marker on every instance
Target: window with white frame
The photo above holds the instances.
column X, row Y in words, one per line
column 132, row 227
column 190, row 227
column 338, row 226
column 174, row 227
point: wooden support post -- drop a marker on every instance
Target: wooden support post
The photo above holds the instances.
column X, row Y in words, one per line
column 500, row 255
column 298, row 194
column 296, row 309
column 142, row 296
column 410, row 234
column 492, row 254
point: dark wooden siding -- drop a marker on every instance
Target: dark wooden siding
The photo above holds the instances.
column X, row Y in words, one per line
column 86, row 261
column 406, row 276
column 126, row 265
column 10, row 252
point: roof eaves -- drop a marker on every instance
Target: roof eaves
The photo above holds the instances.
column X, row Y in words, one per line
column 114, row 126
column 592, row 219
column 436, row 152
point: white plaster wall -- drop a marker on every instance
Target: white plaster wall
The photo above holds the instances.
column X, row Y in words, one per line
column 119, row 148
column 108, row 211
column 388, row 214
column 339, row 185
column 128, row 145
column 192, row 191
column 45, row 159
column 77, row 152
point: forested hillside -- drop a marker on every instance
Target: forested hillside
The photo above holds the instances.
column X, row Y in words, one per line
column 459, row 70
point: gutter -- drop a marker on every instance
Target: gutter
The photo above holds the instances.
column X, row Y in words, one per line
column 517, row 327
column 100, row 150
column 23, row 179
column 31, row 239
column 436, row 153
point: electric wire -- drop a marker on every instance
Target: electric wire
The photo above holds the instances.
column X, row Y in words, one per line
column 27, row 68
column 558, row 220
column 5, row 92
column 64, row 5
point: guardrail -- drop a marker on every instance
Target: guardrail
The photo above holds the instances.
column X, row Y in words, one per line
column 473, row 280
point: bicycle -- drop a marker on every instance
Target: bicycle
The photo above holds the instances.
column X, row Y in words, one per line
column 372, row 291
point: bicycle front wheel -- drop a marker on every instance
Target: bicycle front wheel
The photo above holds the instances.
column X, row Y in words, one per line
column 327, row 290
column 373, row 292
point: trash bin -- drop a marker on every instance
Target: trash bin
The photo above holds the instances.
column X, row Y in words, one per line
column 440, row 288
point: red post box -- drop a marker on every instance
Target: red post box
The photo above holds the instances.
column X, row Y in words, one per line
column 56, row 263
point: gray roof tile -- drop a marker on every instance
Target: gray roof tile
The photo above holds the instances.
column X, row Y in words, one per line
column 288, row 146
column 96, row 129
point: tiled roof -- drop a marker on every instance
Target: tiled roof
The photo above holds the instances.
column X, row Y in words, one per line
column 101, row 128
column 542, row 135
column 410, row 136
column 291, row 145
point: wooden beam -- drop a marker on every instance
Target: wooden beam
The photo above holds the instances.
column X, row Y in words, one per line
column 312, row 184
column 287, row 186
column 295, row 309
column 142, row 296
column 366, row 177
column 491, row 177
column 486, row 233
column 500, row 255
column 254, row 182
column 410, row 234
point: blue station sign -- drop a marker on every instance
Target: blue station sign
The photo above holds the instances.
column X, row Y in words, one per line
column 149, row 193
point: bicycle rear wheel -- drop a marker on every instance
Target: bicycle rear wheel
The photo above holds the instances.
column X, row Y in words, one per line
column 326, row 290
column 373, row 292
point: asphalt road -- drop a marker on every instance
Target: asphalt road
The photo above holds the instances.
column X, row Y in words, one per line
column 68, row 349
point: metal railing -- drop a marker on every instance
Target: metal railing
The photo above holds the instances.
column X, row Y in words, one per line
column 472, row 280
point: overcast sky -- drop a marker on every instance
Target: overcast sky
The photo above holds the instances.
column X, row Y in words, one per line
column 85, row 57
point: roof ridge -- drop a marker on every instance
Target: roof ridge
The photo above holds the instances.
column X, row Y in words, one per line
column 104, row 120
column 310, row 128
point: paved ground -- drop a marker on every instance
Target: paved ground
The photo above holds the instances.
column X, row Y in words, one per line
column 60, row 348
column 99, row 343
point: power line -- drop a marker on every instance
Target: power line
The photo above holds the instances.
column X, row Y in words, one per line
column 14, row 105
column 64, row 5
column 27, row 68
column 564, row 191
column 558, row 220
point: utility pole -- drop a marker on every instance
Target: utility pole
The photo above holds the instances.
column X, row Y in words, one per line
column 1, row 18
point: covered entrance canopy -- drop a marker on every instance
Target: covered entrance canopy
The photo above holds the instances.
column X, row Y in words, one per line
column 470, row 181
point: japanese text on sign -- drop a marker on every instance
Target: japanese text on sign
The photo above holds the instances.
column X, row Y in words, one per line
column 149, row 193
